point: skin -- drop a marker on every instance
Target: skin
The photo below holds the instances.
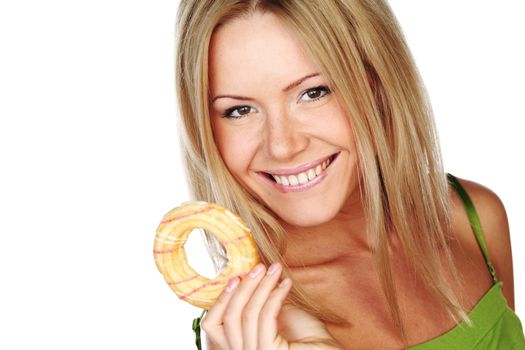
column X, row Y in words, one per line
column 257, row 71
column 284, row 127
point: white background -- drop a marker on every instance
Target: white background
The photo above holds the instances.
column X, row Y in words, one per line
column 90, row 159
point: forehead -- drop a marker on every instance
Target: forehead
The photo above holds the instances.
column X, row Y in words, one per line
column 256, row 49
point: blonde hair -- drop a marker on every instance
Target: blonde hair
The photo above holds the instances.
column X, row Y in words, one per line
column 360, row 47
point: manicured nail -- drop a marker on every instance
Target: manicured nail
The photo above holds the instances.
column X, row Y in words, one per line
column 256, row 271
column 232, row 284
column 273, row 268
column 284, row 282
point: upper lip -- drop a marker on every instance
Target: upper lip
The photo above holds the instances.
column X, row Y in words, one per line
column 300, row 168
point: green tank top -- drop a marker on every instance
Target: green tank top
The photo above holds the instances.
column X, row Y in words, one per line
column 494, row 325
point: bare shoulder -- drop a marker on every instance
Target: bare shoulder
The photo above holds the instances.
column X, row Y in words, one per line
column 494, row 222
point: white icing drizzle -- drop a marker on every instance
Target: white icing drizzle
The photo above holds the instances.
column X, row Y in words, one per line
column 169, row 238
column 234, row 218
column 169, row 241
column 243, row 258
column 197, row 299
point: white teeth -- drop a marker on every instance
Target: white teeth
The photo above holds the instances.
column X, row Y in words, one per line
column 311, row 174
column 302, row 178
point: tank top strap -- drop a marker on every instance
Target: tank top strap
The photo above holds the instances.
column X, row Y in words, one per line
column 474, row 222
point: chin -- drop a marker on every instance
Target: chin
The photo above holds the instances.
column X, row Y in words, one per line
column 306, row 218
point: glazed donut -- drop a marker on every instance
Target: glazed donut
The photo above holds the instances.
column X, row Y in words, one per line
column 170, row 256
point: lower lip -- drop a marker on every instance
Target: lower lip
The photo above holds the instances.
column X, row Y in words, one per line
column 300, row 188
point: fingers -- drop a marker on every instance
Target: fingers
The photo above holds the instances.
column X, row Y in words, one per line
column 212, row 323
column 235, row 320
column 269, row 336
column 252, row 309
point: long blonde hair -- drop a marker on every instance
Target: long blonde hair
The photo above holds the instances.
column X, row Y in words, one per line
column 360, row 47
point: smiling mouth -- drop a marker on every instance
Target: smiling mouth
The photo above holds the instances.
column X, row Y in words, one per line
column 303, row 177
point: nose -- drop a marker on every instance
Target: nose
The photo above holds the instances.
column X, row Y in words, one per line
column 285, row 137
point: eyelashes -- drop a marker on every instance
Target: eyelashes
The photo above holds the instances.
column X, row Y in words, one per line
column 306, row 96
column 237, row 112
column 314, row 94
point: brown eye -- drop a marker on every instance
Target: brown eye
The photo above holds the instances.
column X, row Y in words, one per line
column 244, row 110
column 238, row 111
column 314, row 94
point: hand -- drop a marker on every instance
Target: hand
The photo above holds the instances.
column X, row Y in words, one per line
column 248, row 315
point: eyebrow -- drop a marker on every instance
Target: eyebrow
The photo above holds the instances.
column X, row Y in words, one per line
column 287, row 88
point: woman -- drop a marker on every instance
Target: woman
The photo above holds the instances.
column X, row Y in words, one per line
column 310, row 121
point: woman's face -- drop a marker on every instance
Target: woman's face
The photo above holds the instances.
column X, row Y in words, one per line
column 279, row 128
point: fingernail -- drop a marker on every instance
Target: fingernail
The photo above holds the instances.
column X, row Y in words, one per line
column 284, row 282
column 232, row 284
column 273, row 268
column 256, row 271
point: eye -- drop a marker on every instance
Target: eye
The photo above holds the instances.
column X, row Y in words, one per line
column 238, row 112
column 314, row 94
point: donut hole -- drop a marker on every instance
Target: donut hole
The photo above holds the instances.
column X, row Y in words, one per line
column 199, row 259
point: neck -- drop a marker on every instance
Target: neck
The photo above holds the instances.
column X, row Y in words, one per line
column 343, row 236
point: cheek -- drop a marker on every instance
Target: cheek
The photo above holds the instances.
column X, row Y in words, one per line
column 337, row 127
column 233, row 148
